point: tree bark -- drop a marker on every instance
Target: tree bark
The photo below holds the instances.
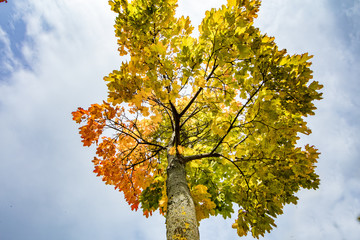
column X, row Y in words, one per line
column 181, row 223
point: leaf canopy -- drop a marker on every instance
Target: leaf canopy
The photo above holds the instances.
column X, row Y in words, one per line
column 235, row 102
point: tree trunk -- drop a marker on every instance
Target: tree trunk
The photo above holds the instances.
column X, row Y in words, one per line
column 181, row 221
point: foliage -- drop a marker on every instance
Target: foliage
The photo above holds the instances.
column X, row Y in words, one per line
column 234, row 102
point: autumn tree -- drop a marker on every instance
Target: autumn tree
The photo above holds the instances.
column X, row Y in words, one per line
column 196, row 127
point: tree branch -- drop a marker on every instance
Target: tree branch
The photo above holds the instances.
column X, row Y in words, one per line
column 236, row 117
column 191, row 102
column 198, row 91
column 199, row 156
column 139, row 139
column 241, row 172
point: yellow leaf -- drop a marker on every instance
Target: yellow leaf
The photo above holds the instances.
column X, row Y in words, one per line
column 231, row 2
column 172, row 151
column 268, row 97
column 284, row 61
column 240, row 30
column 194, row 164
column 145, row 111
column 201, row 189
column 180, row 149
column 200, row 81
column 157, row 118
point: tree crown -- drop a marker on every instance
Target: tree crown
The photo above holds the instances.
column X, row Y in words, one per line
column 229, row 103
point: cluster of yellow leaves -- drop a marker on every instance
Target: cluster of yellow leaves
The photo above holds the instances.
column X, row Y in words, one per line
column 203, row 205
column 163, row 201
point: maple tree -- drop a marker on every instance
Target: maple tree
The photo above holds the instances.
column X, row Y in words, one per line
column 195, row 127
column 3, row 1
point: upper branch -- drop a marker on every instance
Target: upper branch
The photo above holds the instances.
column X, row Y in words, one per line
column 128, row 132
column 237, row 116
column 199, row 156
column 191, row 102
column 198, row 91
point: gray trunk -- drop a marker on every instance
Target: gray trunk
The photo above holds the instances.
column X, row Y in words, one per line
column 181, row 221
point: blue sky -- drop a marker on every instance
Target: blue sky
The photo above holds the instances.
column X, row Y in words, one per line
column 53, row 55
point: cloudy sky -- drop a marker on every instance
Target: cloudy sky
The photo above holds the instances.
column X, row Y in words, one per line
column 53, row 55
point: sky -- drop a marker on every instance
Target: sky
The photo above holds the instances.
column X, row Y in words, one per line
column 53, row 56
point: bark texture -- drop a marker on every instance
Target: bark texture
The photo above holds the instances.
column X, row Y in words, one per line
column 181, row 223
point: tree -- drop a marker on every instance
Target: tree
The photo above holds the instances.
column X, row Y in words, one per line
column 3, row 1
column 195, row 127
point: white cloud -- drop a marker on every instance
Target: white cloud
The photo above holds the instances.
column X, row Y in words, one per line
column 8, row 60
column 48, row 186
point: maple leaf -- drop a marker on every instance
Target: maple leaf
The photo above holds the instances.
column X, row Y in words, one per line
column 214, row 120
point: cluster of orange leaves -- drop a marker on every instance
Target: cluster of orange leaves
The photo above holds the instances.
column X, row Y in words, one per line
column 121, row 161
column 3, row 1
